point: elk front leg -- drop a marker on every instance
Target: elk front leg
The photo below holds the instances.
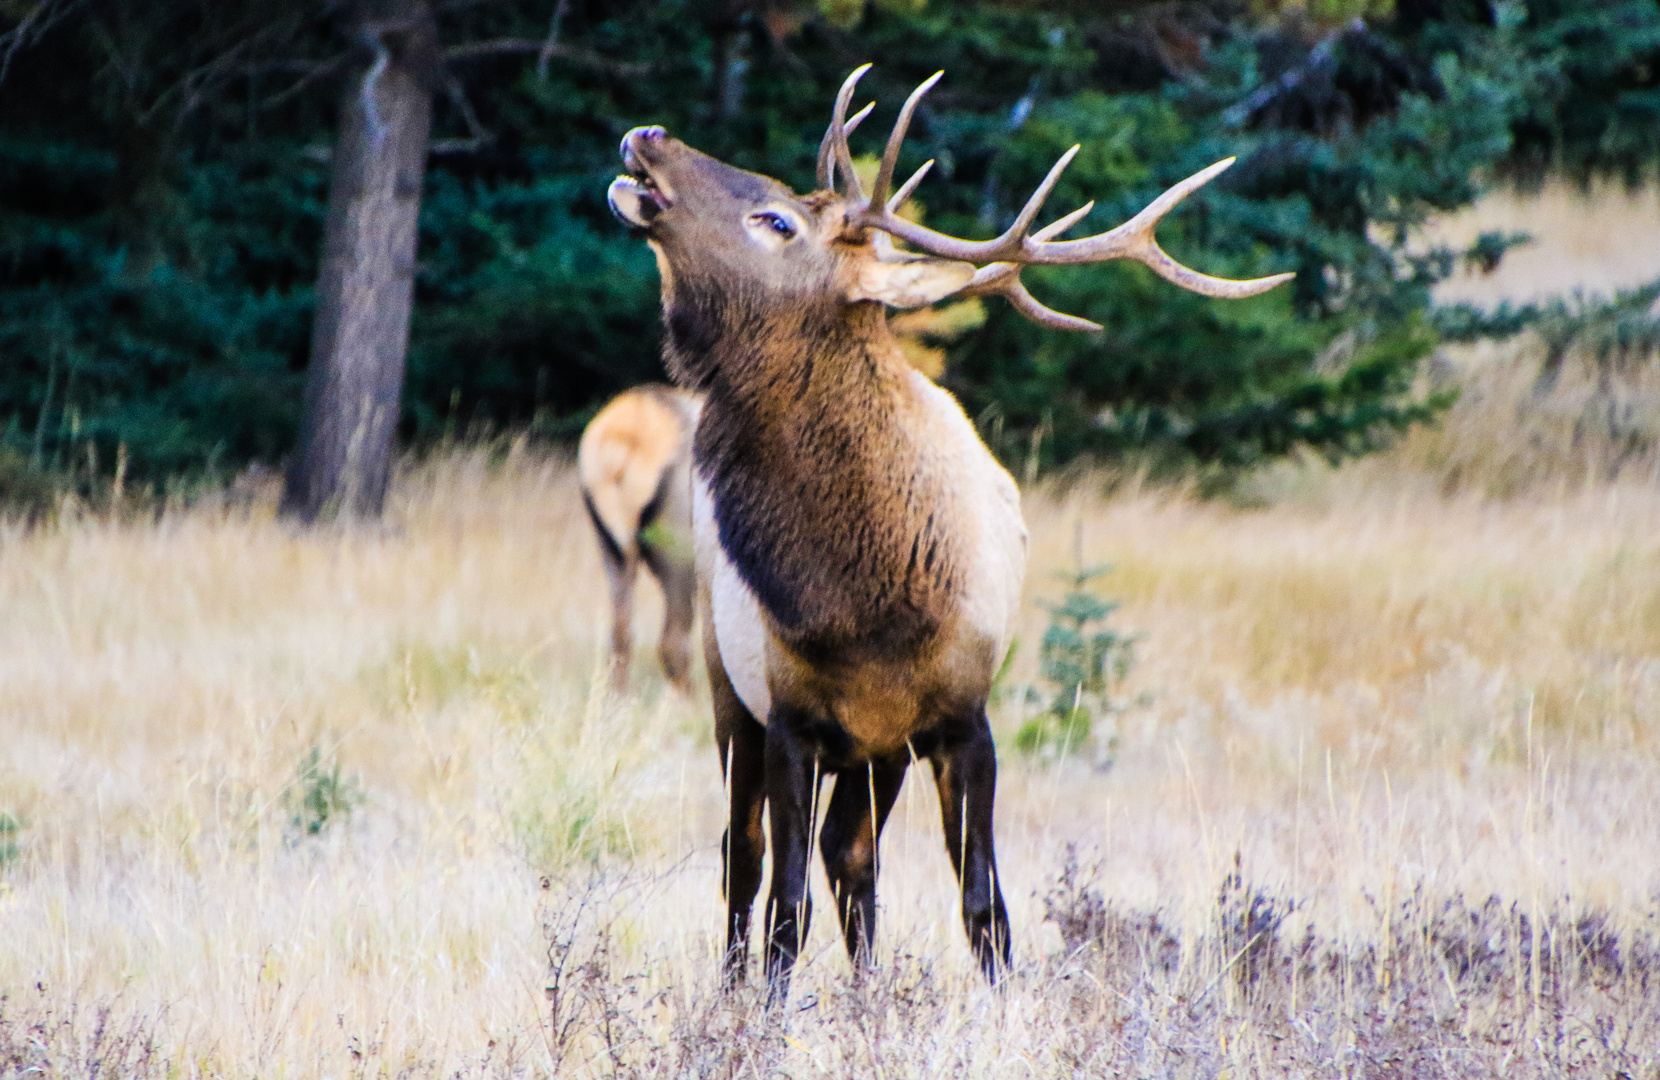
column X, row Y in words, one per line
column 859, row 808
column 965, row 773
column 792, row 780
column 742, row 745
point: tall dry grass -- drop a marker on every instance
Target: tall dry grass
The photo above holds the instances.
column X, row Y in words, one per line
column 1596, row 240
column 1384, row 805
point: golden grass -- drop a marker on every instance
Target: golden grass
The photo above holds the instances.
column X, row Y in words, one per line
column 1598, row 241
column 1387, row 691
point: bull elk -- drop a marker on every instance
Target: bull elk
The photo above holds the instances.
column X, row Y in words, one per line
column 859, row 550
column 634, row 463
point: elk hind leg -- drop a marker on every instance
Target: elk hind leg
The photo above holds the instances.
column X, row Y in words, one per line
column 859, row 807
column 792, row 784
column 620, row 568
column 621, row 573
column 678, row 580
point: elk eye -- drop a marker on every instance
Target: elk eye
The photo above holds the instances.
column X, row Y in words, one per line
column 776, row 222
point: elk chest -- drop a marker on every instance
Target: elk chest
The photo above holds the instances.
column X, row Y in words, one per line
column 869, row 575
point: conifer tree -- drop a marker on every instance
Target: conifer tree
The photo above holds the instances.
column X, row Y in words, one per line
column 162, row 210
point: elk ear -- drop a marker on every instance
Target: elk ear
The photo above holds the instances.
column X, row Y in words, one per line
column 909, row 281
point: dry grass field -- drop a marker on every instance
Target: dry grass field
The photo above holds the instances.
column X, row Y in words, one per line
column 349, row 803
column 1383, row 802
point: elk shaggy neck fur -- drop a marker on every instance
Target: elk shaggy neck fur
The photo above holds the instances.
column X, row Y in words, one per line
column 832, row 509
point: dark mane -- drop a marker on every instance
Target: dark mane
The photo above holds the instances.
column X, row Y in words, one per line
column 823, row 506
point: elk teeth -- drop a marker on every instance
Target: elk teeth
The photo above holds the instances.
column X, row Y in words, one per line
column 635, row 204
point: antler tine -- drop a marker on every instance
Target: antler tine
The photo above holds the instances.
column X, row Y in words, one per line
column 909, row 186
column 844, row 156
column 1015, row 235
column 1012, row 245
column 1003, row 279
column 1142, row 223
column 896, row 139
column 826, row 178
column 832, row 149
column 1040, row 313
column 1174, row 272
column 827, row 151
column 1134, row 240
column 837, row 135
column 1060, row 225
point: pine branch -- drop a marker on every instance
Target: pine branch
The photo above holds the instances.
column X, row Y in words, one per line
column 574, row 55
column 551, row 42
column 311, row 72
column 32, row 27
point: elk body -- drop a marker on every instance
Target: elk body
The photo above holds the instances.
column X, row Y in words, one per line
column 859, row 551
column 634, row 462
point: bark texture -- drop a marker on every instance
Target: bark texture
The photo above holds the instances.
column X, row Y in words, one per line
column 360, row 333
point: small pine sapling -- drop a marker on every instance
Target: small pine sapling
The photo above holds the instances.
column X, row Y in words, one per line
column 321, row 795
column 11, row 829
column 1082, row 661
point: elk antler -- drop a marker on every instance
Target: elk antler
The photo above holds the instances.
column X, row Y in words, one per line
column 832, row 149
column 1003, row 258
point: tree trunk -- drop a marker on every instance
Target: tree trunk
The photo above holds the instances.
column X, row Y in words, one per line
column 360, row 331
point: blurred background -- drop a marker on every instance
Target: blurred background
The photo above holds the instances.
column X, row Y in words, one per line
column 166, row 169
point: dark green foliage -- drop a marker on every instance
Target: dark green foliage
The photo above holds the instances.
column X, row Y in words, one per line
column 1082, row 661
column 154, row 274
column 190, row 356
column 160, row 213
column 321, row 795
column 1599, row 112
column 527, row 312
column 1613, row 333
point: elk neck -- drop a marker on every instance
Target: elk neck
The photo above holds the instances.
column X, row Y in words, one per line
column 814, row 445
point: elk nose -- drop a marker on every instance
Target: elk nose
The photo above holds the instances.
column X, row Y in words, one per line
column 653, row 133
column 640, row 137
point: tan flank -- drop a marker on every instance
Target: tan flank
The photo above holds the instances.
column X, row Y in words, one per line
column 633, row 461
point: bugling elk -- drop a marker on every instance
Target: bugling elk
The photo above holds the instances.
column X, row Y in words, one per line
column 859, row 550
column 634, row 463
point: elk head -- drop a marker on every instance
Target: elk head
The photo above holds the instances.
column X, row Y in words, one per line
column 719, row 230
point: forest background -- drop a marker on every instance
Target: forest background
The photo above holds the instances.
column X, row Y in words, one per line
column 165, row 171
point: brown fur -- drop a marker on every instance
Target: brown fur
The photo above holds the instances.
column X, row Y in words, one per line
column 827, row 496
column 860, row 548
column 846, row 494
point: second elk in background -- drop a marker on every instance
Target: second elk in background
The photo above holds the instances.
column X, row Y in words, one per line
column 634, row 462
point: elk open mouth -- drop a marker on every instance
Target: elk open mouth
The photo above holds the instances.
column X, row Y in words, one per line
column 635, row 197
